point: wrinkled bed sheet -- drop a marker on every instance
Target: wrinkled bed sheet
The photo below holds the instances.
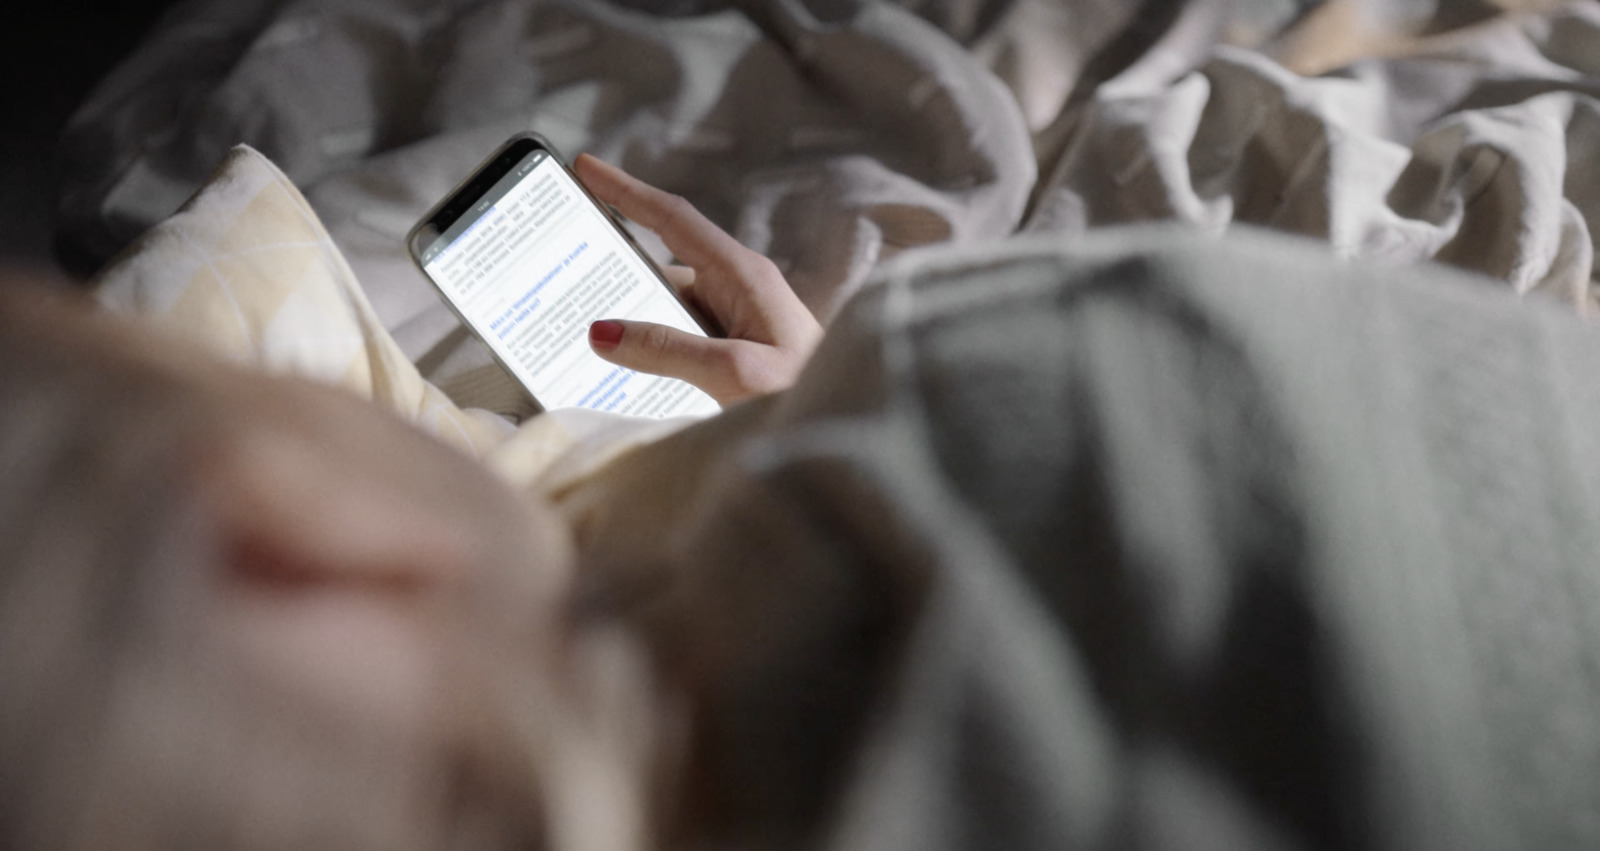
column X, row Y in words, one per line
column 835, row 135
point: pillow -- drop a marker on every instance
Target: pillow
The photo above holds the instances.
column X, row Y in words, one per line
column 246, row 269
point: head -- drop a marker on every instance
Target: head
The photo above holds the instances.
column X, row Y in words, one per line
column 239, row 611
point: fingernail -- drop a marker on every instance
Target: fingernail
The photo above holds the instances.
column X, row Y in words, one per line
column 605, row 334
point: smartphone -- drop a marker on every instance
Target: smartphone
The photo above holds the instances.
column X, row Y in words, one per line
column 527, row 259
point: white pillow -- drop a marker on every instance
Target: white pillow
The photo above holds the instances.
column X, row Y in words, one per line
column 246, row 269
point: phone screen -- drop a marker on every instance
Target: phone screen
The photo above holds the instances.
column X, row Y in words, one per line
column 530, row 265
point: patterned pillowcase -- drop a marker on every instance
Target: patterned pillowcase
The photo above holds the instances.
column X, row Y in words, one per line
column 247, row 269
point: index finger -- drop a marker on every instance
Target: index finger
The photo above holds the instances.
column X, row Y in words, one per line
column 688, row 234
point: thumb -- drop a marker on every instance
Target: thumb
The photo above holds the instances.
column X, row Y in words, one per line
column 662, row 350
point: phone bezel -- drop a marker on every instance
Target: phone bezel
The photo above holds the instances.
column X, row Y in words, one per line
column 459, row 202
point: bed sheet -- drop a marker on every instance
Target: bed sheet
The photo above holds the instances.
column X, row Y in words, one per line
column 833, row 136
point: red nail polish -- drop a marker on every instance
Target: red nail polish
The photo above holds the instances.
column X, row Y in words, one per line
column 605, row 334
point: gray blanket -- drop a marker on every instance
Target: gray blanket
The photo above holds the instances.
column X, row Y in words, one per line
column 1150, row 544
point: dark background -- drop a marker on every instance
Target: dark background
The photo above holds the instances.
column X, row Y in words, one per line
column 51, row 56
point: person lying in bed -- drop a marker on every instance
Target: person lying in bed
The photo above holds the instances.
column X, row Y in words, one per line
column 1147, row 542
column 258, row 612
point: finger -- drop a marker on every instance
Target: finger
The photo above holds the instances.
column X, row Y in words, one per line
column 686, row 232
column 680, row 277
column 707, row 363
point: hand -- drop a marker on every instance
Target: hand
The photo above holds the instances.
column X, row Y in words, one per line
column 770, row 333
